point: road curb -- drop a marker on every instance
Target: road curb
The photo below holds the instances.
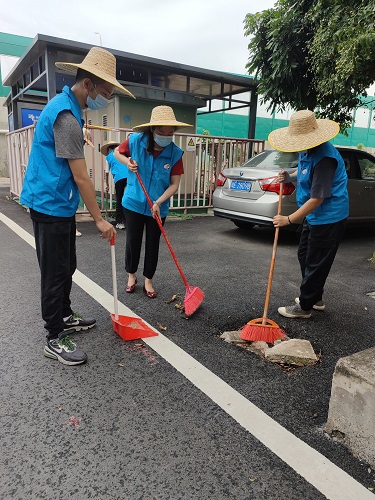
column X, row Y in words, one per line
column 352, row 405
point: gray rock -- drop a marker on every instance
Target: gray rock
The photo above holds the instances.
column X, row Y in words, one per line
column 294, row 352
column 258, row 348
column 232, row 337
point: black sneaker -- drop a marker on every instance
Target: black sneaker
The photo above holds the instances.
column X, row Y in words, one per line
column 65, row 350
column 76, row 322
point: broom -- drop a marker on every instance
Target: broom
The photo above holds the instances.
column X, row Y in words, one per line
column 264, row 329
column 194, row 295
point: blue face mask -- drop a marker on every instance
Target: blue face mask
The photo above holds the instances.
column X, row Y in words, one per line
column 163, row 140
column 99, row 102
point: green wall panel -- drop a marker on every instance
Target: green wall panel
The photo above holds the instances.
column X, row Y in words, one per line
column 12, row 45
column 228, row 125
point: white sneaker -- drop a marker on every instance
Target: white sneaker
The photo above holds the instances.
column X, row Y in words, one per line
column 120, row 225
column 319, row 306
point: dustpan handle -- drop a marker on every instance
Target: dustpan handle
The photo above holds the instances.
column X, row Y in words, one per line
column 273, row 258
column 114, row 277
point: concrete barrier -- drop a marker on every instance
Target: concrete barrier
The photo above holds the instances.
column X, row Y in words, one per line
column 351, row 416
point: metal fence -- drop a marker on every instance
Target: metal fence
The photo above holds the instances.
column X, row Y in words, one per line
column 205, row 156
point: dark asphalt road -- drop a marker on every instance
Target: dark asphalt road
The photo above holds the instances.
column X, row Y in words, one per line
column 145, row 431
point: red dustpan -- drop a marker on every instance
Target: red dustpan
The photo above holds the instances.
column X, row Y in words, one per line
column 127, row 327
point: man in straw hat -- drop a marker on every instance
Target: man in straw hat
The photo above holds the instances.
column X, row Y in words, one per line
column 159, row 163
column 119, row 173
column 322, row 200
column 55, row 178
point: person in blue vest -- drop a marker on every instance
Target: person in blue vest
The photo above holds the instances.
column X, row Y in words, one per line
column 119, row 173
column 322, row 199
column 56, row 176
column 159, row 163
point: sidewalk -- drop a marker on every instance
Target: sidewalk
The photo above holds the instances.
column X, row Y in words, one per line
column 4, row 181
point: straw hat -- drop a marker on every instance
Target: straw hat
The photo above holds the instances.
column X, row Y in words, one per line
column 105, row 148
column 303, row 132
column 162, row 116
column 98, row 62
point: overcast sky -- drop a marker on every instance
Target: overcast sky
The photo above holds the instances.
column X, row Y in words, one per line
column 204, row 33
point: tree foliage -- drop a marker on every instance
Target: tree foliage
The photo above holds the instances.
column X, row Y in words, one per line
column 314, row 54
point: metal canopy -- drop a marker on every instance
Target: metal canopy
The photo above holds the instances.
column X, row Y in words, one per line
column 36, row 78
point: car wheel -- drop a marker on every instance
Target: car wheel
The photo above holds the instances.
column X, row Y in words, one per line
column 243, row 225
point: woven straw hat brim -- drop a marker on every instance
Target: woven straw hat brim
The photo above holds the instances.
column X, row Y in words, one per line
column 72, row 68
column 283, row 140
column 170, row 123
column 98, row 62
column 105, row 148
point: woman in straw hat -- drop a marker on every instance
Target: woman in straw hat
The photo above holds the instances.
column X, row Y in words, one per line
column 56, row 176
column 322, row 200
column 158, row 160
column 119, row 173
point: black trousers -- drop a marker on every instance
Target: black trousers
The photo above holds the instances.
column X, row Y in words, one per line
column 56, row 252
column 135, row 224
column 316, row 253
column 120, row 188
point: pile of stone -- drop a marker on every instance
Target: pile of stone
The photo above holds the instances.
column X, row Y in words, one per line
column 296, row 352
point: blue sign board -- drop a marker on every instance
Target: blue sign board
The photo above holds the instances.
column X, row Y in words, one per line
column 29, row 116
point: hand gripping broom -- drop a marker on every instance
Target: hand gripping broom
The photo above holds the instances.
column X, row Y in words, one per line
column 194, row 295
column 264, row 329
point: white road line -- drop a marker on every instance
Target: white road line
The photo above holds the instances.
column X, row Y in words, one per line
column 316, row 469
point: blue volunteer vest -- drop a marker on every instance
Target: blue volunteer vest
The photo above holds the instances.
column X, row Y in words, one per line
column 49, row 186
column 155, row 174
column 118, row 170
column 336, row 207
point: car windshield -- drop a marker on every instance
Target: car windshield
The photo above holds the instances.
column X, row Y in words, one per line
column 273, row 160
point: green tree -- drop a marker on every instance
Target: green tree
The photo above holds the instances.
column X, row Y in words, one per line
column 314, row 54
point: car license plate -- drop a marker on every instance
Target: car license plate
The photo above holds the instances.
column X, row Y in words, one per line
column 240, row 186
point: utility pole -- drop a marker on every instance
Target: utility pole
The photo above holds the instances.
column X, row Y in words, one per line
column 100, row 37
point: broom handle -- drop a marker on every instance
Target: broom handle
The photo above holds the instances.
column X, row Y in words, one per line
column 114, row 279
column 273, row 258
column 160, row 224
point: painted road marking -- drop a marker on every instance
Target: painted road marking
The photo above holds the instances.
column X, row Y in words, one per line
column 316, row 469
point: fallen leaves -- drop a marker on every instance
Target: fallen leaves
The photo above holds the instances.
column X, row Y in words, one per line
column 161, row 327
column 174, row 297
column 179, row 306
